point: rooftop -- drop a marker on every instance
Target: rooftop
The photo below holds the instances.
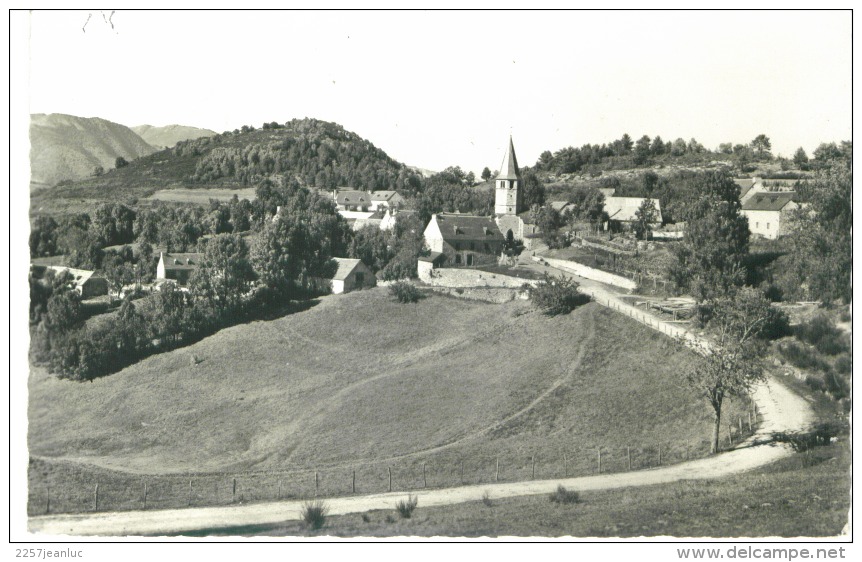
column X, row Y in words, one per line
column 456, row 226
column 768, row 201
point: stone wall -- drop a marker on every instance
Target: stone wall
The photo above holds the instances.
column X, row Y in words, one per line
column 455, row 277
column 589, row 272
column 492, row 295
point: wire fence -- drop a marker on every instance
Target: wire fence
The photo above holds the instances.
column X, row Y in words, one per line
column 70, row 492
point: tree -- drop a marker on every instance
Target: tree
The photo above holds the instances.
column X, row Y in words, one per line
column 762, row 146
column 800, row 158
column 678, row 148
column 557, row 295
column 725, row 148
column 658, row 146
column 486, row 174
column 549, row 222
column 43, row 237
column 731, row 365
column 822, row 244
column 708, row 261
column 120, row 162
column 118, row 271
column 225, row 273
column 98, row 171
column 645, row 216
column 642, row 150
column 534, row 189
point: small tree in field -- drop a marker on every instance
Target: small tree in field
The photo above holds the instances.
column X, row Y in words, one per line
column 557, row 295
column 732, row 365
column 645, row 216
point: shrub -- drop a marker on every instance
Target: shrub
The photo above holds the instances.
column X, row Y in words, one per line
column 844, row 365
column 802, row 357
column 777, row 325
column 821, row 434
column 821, row 332
column 405, row 507
column 405, row 292
column 486, row 499
column 390, row 519
column 557, row 295
column 314, row 514
column 562, row 495
column 366, row 518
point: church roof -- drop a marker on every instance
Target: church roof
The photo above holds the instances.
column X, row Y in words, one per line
column 509, row 168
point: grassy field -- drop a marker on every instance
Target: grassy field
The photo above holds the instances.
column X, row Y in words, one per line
column 201, row 196
column 797, row 497
column 360, row 382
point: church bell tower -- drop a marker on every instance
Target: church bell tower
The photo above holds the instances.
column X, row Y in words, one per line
column 509, row 188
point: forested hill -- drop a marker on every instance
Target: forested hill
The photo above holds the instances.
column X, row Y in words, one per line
column 317, row 153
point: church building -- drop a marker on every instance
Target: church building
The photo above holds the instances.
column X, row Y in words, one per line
column 513, row 218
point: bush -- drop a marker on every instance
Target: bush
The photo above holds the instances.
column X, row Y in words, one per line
column 486, row 499
column 314, row 514
column 802, row 357
column 562, row 495
column 557, row 295
column 821, row 434
column 844, row 365
column 405, row 507
column 821, row 332
column 405, row 292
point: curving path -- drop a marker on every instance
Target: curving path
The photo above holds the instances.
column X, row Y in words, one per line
column 780, row 410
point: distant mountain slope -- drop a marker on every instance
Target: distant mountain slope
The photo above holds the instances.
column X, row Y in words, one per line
column 65, row 147
column 315, row 153
column 169, row 135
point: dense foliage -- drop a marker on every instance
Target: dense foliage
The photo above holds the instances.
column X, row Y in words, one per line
column 557, row 295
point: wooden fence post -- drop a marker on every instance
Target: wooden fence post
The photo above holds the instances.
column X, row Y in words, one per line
column 233, row 496
column 279, row 489
column 600, row 460
column 740, row 424
column 316, row 483
column 190, row 492
column 353, row 487
column 145, row 495
column 424, row 479
column 749, row 421
column 565, row 466
column 659, row 454
column 533, row 459
column 389, row 468
column 96, row 499
column 629, row 456
column 497, row 471
column 462, row 472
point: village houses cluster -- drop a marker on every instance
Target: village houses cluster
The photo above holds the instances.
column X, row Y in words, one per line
column 457, row 239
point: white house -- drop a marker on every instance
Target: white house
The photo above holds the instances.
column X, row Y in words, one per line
column 768, row 213
column 350, row 275
column 178, row 267
column 464, row 239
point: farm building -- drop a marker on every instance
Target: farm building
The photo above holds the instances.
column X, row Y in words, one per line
column 88, row 284
column 624, row 209
column 177, row 267
column 349, row 275
column 768, row 213
column 352, row 200
column 386, row 199
column 465, row 240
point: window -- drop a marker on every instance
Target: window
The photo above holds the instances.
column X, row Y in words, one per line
column 767, row 226
column 472, row 246
column 487, row 248
column 457, row 245
column 469, row 259
column 457, row 259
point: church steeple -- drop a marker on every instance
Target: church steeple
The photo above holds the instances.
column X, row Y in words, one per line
column 509, row 185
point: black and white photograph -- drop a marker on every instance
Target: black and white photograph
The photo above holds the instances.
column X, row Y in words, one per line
column 432, row 275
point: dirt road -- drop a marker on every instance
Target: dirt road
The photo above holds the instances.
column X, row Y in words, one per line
column 780, row 409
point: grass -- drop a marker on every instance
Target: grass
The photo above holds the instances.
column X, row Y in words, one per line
column 405, row 508
column 360, row 382
column 201, row 196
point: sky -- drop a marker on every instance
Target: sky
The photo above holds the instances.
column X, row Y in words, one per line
column 435, row 89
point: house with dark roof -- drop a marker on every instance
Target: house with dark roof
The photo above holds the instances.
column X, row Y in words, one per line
column 349, row 275
column 769, row 213
column 386, row 199
column 352, row 200
column 177, row 267
column 87, row 283
column 464, row 240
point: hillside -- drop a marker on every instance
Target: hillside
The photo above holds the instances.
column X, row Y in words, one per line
column 315, row 153
column 443, row 380
column 65, row 147
column 169, row 135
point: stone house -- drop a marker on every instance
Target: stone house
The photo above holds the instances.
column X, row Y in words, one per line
column 464, row 240
column 88, row 284
column 177, row 267
column 768, row 213
column 349, row 275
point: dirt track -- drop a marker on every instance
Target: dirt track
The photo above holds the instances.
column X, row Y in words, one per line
column 780, row 409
